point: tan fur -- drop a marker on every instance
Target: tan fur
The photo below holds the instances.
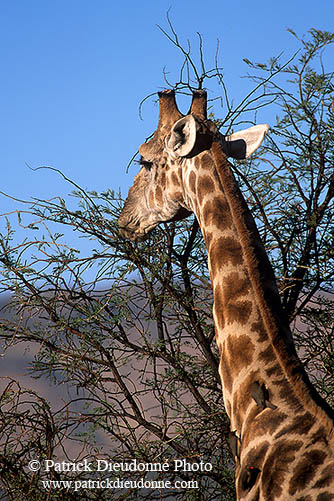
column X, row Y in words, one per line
column 289, row 443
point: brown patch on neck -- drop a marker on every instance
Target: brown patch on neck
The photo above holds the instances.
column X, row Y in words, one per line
column 204, row 185
column 216, row 212
column 230, row 298
column 224, row 250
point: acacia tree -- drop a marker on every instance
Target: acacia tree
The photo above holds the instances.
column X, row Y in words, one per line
column 127, row 329
column 291, row 190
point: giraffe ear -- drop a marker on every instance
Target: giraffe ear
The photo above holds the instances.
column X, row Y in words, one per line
column 183, row 137
column 242, row 144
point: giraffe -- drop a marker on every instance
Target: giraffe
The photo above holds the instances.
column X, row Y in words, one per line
column 281, row 429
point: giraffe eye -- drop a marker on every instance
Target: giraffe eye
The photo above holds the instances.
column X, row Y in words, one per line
column 145, row 163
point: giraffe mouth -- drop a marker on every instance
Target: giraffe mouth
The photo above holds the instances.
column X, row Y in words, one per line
column 129, row 228
column 135, row 235
column 130, row 234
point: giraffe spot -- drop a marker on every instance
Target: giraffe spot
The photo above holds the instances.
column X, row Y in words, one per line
column 205, row 185
column 240, row 350
column 158, row 194
column 174, row 178
column 239, row 312
column 304, row 498
column 305, row 470
column 222, row 217
column 259, row 328
column 326, row 477
column 216, row 212
column 267, row 355
column 236, row 286
column 320, row 436
column 208, row 213
column 277, row 466
column 178, row 195
column 192, row 181
column 288, row 395
column 275, row 370
column 326, row 496
column 300, row 425
column 270, row 421
column 163, row 180
column 225, row 250
column 151, row 198
column 227, row 299
column 258, row 453
column 206, row 161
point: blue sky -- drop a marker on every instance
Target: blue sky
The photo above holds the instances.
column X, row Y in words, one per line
column 74, row 71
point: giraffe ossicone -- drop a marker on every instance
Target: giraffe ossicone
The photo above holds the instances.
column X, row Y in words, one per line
column 282, row 428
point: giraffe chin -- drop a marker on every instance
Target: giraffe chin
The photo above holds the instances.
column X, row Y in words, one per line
column 135, row 236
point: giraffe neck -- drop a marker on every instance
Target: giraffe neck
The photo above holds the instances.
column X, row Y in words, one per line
column 252, row 333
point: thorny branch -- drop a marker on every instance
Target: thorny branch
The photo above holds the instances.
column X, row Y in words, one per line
column 127, row 329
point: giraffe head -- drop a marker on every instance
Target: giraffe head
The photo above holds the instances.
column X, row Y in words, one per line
column 158, row 194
